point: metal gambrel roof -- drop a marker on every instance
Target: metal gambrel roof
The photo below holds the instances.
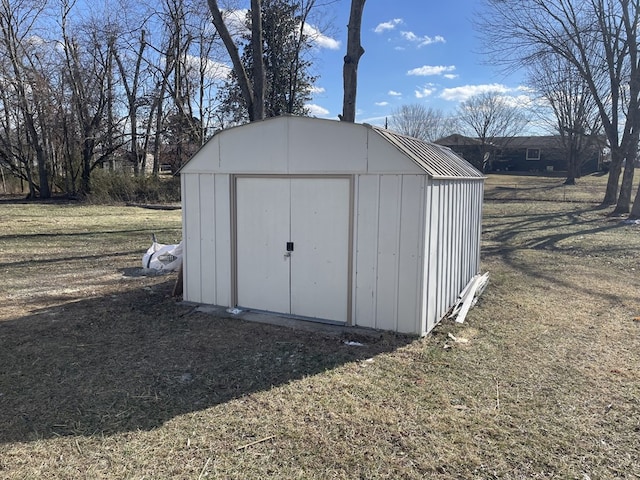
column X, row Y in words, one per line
column 436, row 160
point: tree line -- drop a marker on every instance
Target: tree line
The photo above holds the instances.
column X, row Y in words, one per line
column 132, row 85
column 146, row 85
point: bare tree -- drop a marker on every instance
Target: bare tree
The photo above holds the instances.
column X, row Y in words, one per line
column 575, row 112
column 130, row 78
column 20, row 75
column 351, row 60
column 425, row 123
column 488, row 116
column 598, row 37
column 252, row 92
column 88, row 67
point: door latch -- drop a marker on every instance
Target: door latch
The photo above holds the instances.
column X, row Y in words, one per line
column 287, row 254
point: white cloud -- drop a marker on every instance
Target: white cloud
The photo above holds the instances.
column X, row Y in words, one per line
column 319, row 39
column 212, row 69
column 428, row 40
column 315, row 89
column 523, row 101
column 460, row 94
column 393, row 93
column 381, row 104
column 235, row 20
column 317, row 110
column 390, row 25
column 236, row 24
column 428, row 70
column 424, row 92
column 422, row 41
column 451, row 76
column 412, row 37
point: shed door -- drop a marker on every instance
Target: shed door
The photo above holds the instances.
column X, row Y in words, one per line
column 293, row 245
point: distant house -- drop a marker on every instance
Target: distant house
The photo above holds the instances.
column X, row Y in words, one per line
column 521, row 154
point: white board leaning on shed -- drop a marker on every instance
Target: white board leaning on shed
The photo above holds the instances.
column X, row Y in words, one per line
column 330, row 221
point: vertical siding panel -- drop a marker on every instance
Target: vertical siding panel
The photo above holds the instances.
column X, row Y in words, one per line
column 426, row 256
column 366, row 239
column 468, row 227
column 455, row 243
column 478, row 202
column 185, row 253
column 223, row 259
column 465, row 206
column 452, row 247
column 454, row 254
column 447, row 250
column 443, row 247
column 207, row 238
column 471, row 232
column 473, row 229
column 388, row 244
column 457, row 251
column 191, row 238
column 433, row 234
column 410, row 253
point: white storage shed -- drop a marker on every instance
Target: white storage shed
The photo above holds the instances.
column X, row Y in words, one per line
column 330, row 221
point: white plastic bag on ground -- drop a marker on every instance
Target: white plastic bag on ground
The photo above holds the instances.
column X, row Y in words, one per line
column 162, row 257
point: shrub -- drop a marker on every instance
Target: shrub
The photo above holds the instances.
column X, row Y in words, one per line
column 121, row 187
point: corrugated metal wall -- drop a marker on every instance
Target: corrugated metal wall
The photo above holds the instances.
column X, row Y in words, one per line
column 417, row 244
column 452, row 246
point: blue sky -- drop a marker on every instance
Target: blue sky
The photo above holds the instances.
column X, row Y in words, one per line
column 415, row 52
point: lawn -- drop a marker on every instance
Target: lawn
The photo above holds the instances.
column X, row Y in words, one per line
column 104, row 375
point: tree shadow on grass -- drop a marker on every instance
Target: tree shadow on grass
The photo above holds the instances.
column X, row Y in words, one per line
column 569, row 233
column 135, row 360
column 545, row 230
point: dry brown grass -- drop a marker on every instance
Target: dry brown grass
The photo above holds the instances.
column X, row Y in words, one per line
column 104, row 376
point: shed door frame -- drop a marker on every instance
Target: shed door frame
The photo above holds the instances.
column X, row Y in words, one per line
column 234, row 235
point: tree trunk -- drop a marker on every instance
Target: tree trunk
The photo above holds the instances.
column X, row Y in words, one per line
column 635, row 209
column 572, row 167
column 630, row 153
column 258, row 60
column 615, row 169
column 624, row 200
column 87, row 155
column 351, row 59
column 157, row 138
column 131, row 90
column 43, row 172
column 232, row 50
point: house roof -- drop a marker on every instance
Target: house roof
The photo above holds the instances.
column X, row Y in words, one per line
column 531, row 141
column 437, row 160
column 458, row 140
